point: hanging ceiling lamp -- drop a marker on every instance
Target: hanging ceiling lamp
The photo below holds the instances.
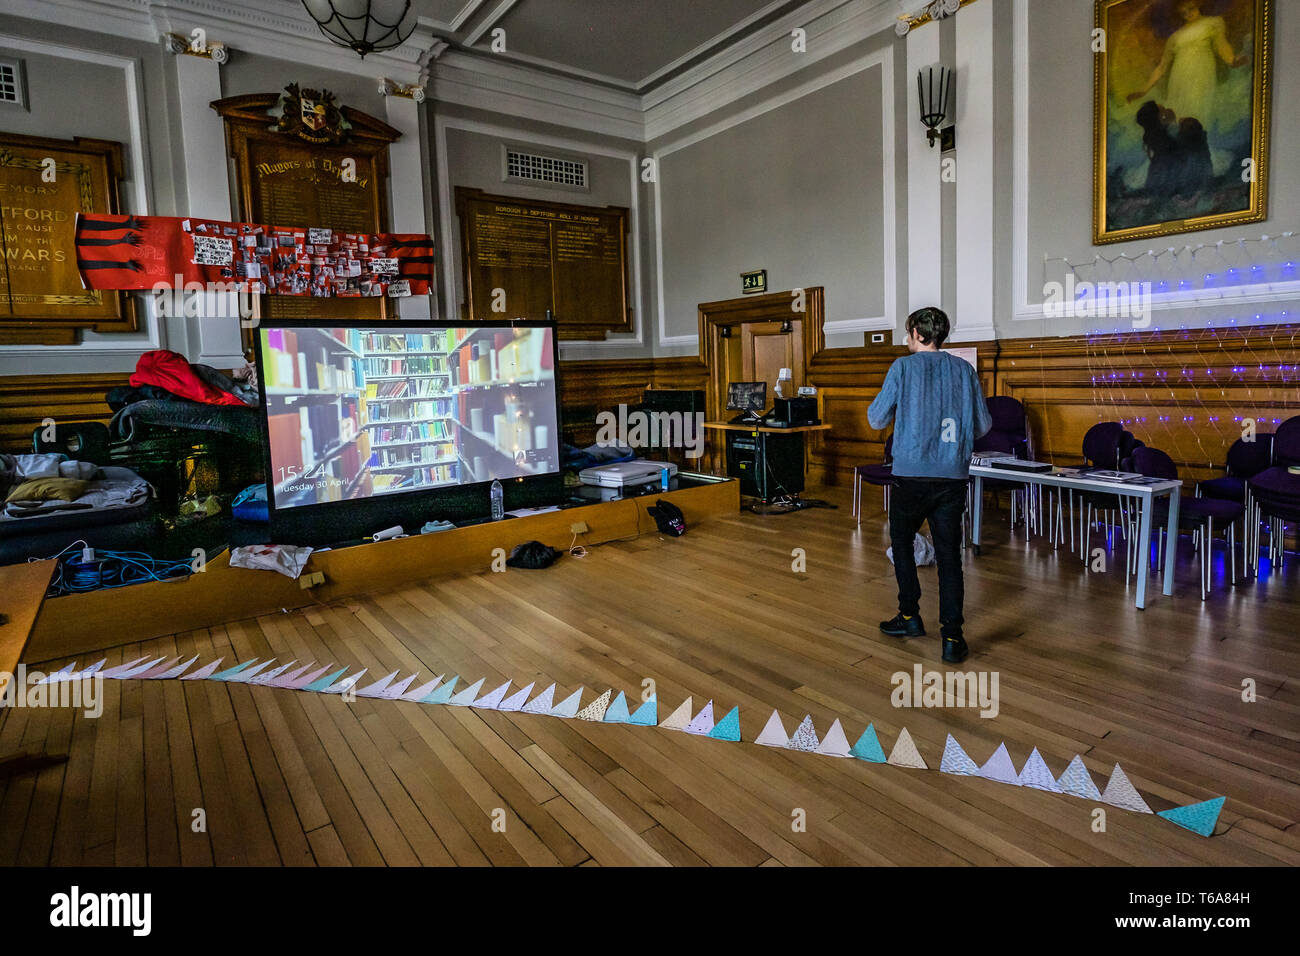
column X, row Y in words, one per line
column 364, row 25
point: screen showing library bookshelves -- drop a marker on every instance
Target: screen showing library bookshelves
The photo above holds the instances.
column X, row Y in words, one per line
column 358, row 410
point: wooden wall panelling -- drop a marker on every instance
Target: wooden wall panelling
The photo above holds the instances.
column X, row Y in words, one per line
column 595, row 385
column 25, row 400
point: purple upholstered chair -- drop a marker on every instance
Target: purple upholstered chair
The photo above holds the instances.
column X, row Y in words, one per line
column 1245, row 460
column 1194, row 514
column 1275, row 493
column 881, row 475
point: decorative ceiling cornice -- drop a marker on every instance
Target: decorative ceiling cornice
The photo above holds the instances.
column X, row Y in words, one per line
column 926, row 13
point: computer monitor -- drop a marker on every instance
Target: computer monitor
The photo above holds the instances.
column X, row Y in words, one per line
column 413, row 414
column 747, row 397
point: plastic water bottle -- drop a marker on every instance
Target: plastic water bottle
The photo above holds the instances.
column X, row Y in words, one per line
column 498, row 501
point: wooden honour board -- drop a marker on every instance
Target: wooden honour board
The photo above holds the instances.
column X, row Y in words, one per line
column 565, row 258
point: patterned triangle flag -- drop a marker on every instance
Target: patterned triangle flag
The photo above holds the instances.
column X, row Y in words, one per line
column 647, row 715
column 93, row 670
column 442, row 694
column 291, row 678
column 119, row 668
column 1077, row 782
column 868, row 746
column 346, row 684
column 834, row 744
column 805, row 736
column 1121, row 793
column 321, row 684
column 176, row 671
column 1000, row 768
column 773, row 734
column 517, row 700
column 466, row 697
column 492, row 700
column 680, row 718
column 905, row 753
column 266, row 677
column 596, row 709
column 617, row 712
column 569, row 706
column 1035, row 774
column 231, row 671
column 542, row 703
column 206, row 671
column 703, row 721
column 243, row 677
column 1197, row 817
column 955, row 760
column 62, row 674
column 137, row 671
column 397, row 690
column 728, row 728
column 423, row 691
column 151, row 674
column 306, row 680
column 378, row 687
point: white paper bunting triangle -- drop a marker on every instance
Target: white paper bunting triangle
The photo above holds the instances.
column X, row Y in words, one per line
column 206, row 671
column 243, row 677
column 1000, row 768
column 543, row 703
column 397, row 690
column 834, row 744
column 1035, row 774
column 287, row 680
column 492, row 699
column 346, row 684
column 905, row 753
column 596, row 709
column 804, row 737
column 517, row 700
column 680, row 718
column 466, row 697
column 569, row 706
column 1077, row 782
column 423, row 691
column 773, row 734
column 703, row 722
column 1121, row 793
column 266, row 677
column 378, row 687
column 955, row 760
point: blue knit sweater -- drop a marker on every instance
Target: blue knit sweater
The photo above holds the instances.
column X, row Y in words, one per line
column 938, row 409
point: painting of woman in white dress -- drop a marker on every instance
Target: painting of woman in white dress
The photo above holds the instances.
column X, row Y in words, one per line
column 1182, row 110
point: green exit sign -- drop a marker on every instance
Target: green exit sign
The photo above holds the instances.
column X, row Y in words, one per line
column 753, row 281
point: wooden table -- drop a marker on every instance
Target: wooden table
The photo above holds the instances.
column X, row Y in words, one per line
column 23, row 589
column 761, row 434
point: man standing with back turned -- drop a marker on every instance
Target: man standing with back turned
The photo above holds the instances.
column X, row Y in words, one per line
column 937, row 405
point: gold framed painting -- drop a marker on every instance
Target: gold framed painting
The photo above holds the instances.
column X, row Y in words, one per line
column 1181, row 116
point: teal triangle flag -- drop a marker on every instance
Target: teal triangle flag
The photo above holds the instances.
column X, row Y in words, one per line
column 868, row 746
column 442, row 694
column 728, row 728
column 647, row 715
column 1197, row 817
column 230, row 672
column 617, row 712
column 319, row 685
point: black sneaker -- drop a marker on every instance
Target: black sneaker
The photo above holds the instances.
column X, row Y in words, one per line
column 903, row 626
column 955, row 649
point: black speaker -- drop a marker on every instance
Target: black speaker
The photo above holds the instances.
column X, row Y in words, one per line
column 796, row 411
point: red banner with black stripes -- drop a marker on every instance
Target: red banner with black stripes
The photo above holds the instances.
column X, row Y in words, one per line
column 122, row 253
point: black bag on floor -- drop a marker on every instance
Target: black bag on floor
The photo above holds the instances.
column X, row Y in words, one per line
column 669, row 518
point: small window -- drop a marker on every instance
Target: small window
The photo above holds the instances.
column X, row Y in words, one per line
column 536, row 168
column 13, row 91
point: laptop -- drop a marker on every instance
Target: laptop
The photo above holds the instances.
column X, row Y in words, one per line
column 620, row 474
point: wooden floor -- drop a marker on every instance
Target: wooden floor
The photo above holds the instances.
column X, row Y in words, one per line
column 292, row 778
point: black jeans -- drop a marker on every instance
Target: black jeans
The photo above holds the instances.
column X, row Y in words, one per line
column 941, row 501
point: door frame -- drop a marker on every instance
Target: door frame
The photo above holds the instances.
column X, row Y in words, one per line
column 728, row 314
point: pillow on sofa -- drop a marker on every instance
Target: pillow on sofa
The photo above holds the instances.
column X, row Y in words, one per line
column 81, row 470
column 48, row 489
column 38, row 466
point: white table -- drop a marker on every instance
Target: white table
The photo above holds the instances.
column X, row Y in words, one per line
column 1144, row 495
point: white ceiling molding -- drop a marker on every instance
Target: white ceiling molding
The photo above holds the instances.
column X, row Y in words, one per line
column 515, row 90
column 721, row 40
column 488, row 21
column 762, row 59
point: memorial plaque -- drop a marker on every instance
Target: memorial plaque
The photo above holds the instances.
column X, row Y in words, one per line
column 567, row 259
column 296, row 179
column 44, row 183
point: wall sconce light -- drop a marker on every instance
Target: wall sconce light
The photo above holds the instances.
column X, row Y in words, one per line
column 786, row 327
column 935, row 87
column 725, row 331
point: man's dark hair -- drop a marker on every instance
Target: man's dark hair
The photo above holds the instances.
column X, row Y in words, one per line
column 931, row 325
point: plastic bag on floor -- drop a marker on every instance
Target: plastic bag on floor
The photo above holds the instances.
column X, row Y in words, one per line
column 288, row 559
column 922, row 550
